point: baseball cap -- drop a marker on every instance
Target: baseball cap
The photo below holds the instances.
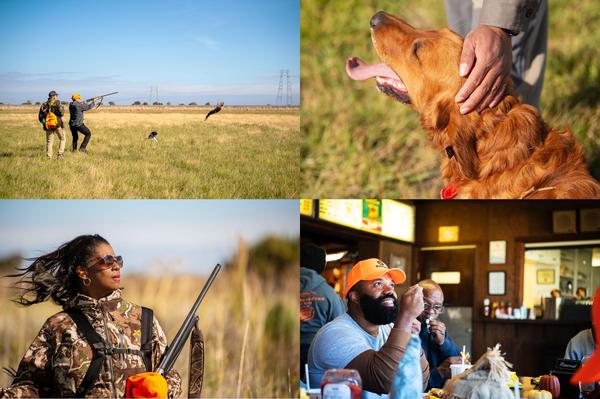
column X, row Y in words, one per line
column 52, row 93
column 370, row 269
column 75, row 96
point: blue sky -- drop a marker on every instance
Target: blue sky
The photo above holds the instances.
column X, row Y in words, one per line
column 184, row 235
column 192, row 50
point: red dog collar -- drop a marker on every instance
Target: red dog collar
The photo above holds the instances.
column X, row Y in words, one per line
column 449, row 192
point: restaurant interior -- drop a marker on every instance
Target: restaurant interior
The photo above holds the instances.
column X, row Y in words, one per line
column 517, row 273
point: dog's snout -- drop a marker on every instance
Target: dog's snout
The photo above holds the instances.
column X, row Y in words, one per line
column 377, row 18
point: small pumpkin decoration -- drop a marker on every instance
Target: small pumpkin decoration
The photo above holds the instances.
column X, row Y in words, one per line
column 551, row 384
column 536, row 394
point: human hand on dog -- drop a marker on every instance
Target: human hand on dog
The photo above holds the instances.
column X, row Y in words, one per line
column 487, row 59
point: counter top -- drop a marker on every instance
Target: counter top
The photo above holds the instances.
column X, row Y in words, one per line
column 536, row 321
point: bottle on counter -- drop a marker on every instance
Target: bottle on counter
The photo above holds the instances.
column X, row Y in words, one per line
column 486, row 308
column 523, row 312
column 341, row 384
column 494, row 310
column 501, row 311
column 509, row 310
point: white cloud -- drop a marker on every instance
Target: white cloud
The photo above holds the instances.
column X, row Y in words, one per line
column 206, row 41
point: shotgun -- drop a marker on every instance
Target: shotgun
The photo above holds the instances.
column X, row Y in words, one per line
column 173, row 350
column 100, row 97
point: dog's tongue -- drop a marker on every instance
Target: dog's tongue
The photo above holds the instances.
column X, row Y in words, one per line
column 357, row 69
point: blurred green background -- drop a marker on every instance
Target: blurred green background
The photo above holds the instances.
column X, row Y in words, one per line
column 360, row 143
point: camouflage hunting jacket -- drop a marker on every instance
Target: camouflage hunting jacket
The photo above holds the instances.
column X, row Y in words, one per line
column 56, row 107
column 57, row 360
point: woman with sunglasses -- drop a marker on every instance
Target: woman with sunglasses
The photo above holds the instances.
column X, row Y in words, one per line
column 83, row 276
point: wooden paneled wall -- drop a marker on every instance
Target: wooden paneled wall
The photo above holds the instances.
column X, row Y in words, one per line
column 516, row 222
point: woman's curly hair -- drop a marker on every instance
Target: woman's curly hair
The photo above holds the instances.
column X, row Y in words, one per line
column 53, row 275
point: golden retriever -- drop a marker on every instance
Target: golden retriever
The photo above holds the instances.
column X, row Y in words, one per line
column 503, row 152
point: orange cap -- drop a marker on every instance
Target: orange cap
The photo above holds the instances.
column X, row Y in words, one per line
column 590, row 371
column 370, row 269
column 146, row 385
column 75, row 96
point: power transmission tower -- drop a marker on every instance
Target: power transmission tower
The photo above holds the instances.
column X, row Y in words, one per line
column 284, row 98
column 288, row 96
column 153, row 90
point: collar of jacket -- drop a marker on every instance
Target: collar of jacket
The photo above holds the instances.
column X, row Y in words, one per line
column 110, row 302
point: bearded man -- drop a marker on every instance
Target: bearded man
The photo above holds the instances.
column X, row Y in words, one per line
column 372, row 336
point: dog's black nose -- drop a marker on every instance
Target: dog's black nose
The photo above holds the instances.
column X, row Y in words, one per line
column 377, row 18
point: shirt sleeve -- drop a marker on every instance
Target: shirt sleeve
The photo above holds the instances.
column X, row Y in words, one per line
column 449, row 348
column 336, row 347
column 34, row 375
column 160, row 344
column 513, row 15
column 377, row 368
column 41, row 114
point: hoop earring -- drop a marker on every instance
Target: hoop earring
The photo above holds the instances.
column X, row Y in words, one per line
column 86, row 281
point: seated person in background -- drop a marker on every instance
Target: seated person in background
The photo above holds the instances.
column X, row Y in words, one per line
column 319, row 303
column 582, row 344
column 581, row 293
column 373, row 335
column 438, row 347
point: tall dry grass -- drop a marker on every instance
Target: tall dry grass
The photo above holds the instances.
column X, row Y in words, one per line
column 250, row 327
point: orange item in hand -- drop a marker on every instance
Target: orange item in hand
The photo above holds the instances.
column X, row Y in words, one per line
column 590, row 371
column 146, row 385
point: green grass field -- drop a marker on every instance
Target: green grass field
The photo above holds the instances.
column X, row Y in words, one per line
column 360, row 143
column 238, row 153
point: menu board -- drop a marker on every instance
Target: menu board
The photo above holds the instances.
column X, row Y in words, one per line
column 344, row 212
column 384, row 217
column 398, row 220
column 372, row 216
column 306, row 207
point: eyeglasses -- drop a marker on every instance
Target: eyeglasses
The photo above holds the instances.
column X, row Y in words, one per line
column 109, row 261
column 436, row 308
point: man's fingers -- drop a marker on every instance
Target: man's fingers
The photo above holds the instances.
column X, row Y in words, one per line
column 472, row 83
column 467, row 57
column 436, row 330
column 498, row 96
column 492, row 92
column 480, row 93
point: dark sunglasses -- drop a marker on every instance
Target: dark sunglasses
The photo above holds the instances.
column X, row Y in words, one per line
column 110, row 260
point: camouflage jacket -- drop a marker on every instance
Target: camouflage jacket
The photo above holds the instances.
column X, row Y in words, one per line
column 57, row 360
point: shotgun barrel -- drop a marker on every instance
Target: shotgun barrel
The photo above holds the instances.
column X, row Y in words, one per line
column 185, row 330
column 102, row 96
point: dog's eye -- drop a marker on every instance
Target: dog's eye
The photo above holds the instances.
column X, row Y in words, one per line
column 415, row 48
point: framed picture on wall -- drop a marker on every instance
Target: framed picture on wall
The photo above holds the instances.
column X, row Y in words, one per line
column 589, row 220
column 497, row 252
column 564, row 222
column 545, row 276
column 397, row 261
column 497, row 283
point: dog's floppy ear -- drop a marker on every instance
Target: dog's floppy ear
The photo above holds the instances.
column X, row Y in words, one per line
column 440, row 116
column 465, row 148
column 455, row 134
column 461, row 135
